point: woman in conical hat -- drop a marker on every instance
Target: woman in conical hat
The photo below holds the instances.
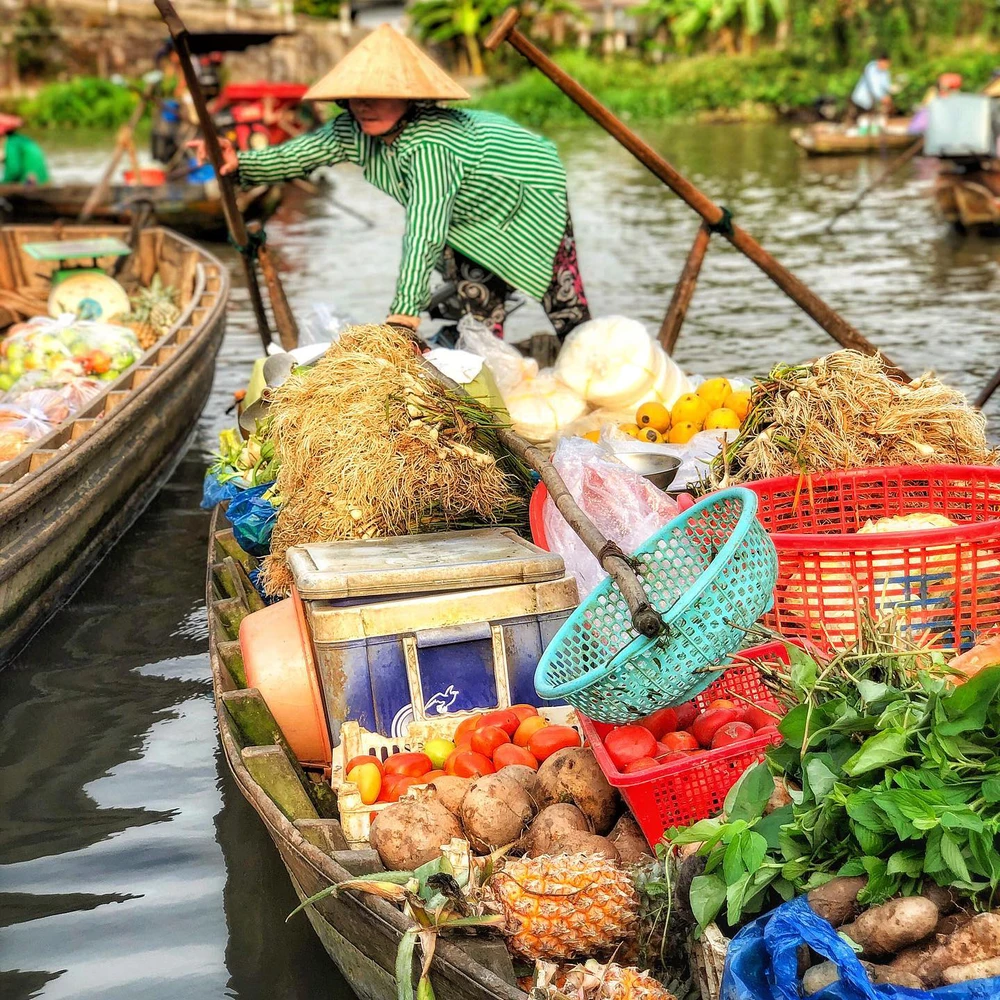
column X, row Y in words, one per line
column 485, row 199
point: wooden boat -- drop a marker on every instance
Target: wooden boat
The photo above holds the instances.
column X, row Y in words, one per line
column 66, row 499
column 970, row 199
column 359, row 932
column 192, row 209
column 828, row 139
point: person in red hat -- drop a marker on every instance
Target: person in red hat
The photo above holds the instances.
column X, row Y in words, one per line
column 22, row 158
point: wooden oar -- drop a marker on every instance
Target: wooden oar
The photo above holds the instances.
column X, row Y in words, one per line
column 122, row 143
column 718, row 219
column 250, row 247
column 908, row 154
column 984, row 397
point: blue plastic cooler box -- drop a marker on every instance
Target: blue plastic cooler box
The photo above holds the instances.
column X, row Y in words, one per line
column 408, row 628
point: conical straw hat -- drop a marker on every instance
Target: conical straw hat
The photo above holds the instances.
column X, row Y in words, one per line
column 386, row 64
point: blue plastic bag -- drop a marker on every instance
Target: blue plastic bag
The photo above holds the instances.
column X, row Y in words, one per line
column 762, row 963
column 213, row 492
column 252, row 518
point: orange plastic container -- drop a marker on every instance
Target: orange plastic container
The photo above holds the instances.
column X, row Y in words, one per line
column 148, row 177
column 278, row 659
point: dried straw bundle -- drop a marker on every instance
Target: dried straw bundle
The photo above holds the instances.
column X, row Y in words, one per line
column 844, row 412
column 370, row 447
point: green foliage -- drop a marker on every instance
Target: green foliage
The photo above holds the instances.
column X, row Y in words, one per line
column 317, row 8
column 83, row 102
column 35, row 41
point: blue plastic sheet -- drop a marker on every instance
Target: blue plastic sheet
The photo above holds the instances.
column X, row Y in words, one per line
column 213, row 492
column 253, row 518
column 762, row 963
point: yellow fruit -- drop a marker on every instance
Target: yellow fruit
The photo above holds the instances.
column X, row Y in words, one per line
column 650, row 435
column 613, row 982
column 682, row 432
column 654, row 415
column 632, row 430
column 739, row 402
column 565, row 906
column 722, row 419
column 439, row 750
column 594, row 436
column 714, row 392
column 368, row 778
column 689, row 409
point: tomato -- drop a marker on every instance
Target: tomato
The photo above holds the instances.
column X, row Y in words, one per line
column 411, row 764
column 686, row 714
column 661, row 722
column 680, row 741
column 640, row 765
column 400, row 788
column 547, row 741
column 524, row 712
column 764, row 713
column 487, row 739
column 710, row 722
column 721, row 703
column 772, row 732
column 368, row 778
column 472, row 765
column 426, row 779
column 507, row 754
column 469, row 725
column 527, row 729
column 628, row 743
column 505, row 719
column 389, row 782
column 364, row 759
column 730, row 733
column 675, row 755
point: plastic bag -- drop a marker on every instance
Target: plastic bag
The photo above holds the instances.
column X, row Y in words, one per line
column 507, row 365
column 215, row 492
column 253, row 518
column 762, row 963
column 624, row 506
column 19, row 427
column 46, row 404
column 322, row 324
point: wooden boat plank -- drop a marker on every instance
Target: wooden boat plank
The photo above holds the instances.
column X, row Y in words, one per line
column 273, row 771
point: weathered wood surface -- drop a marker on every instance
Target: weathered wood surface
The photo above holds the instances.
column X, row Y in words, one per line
column 62, row 508
column 360, row 933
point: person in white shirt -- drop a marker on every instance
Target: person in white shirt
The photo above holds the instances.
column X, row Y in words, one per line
column 872, row 93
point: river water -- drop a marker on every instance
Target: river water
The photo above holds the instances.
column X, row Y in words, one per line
column 131, row 866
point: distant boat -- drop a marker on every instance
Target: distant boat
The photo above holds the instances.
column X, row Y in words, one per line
column 969, row 198
column 830, row 139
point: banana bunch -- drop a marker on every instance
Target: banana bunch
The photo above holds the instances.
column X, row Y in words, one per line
column 251, row 462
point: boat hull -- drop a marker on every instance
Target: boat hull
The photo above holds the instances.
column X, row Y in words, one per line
column 63, row 508
column 827, row 140
column 969, row 200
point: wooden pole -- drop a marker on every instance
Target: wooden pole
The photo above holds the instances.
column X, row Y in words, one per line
column 908, row 154
column 991, row 387
column 122, row 142
column 684, row 290
column 234, row 221
column 716, row 217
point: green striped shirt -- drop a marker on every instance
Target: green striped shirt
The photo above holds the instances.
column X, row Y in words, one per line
column 469, row 179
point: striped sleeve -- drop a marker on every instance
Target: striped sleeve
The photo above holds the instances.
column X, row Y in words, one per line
column 298, row 157
column 434, row 177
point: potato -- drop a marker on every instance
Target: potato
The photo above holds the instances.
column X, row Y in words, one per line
column 884, row 929
column 549, row 824
column 911, row 960
column 944, row 899
column 573, row 775
column 579, row 842
column 947, row 926
column 496, row 811
column 411, row 832
column 886, row 975
column 977, row 941
column 451, row 790
column 819, row 977
column 974, row 970
column 837, row 900
column 629, row 842
column 525, row 777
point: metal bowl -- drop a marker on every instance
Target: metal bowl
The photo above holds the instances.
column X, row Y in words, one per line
column 660, row 470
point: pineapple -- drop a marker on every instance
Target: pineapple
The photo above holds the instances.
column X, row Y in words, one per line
column 594, row 981
column 154, row 310
column 566, row 906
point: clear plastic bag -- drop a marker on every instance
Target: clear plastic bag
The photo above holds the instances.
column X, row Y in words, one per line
column 322, row 324
column 46, row 404
column 624, row 506
column 507, row 365
column 19, row 427
column 696, row 455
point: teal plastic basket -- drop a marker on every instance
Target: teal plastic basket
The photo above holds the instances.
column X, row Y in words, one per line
column 710, row 573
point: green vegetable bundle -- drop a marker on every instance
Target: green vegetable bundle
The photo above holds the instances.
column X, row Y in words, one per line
column 899, row 772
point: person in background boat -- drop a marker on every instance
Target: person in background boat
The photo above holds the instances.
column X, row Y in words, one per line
column 947, row 83
column 872, row 93
column 21, row 158
column 486, row 201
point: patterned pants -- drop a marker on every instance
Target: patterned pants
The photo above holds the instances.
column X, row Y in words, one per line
column 484, row 294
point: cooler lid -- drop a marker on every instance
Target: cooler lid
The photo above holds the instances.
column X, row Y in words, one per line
column 439, row 561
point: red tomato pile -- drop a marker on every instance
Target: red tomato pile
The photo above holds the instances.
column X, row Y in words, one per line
column 483, row 743
column 684, row 733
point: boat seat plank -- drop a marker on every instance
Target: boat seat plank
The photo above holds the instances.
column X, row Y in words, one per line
column 40, row 456
column 115, row 399
column 230, row 612
column 327, row 835
column 141, row 375
column 81, row 426
column 232, row 658
column 226, row 545
column 273, row 771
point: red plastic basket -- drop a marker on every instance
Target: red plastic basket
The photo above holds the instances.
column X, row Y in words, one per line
column 945, row 580
column 679, row 793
